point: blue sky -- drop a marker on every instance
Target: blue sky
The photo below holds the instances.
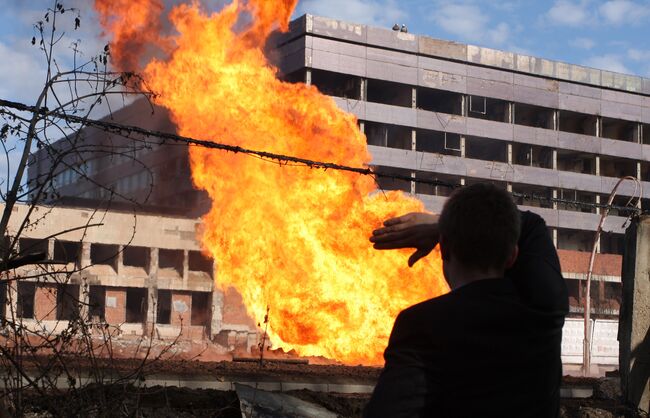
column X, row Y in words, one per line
column 606, row 34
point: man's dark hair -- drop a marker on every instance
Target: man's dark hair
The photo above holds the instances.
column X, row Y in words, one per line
column 479, row 226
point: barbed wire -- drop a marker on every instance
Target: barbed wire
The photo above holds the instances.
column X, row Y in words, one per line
column 128, row 131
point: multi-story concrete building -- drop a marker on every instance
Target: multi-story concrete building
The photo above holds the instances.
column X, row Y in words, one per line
column 144, row 280
column 456, row 113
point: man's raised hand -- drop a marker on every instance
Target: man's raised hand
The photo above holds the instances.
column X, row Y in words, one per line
column 414, row 230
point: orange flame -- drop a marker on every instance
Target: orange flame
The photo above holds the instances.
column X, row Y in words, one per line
column 292, row 238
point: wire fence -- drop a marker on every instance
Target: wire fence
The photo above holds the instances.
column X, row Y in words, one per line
column 138, row 133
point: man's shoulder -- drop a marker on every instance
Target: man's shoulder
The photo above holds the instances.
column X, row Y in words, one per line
column 430, row 309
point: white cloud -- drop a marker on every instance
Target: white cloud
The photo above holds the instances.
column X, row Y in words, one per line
column 618, row 12
column 469, row 23
column 638, row 54
column 569, row 13
column 609, row 62
column 582, row 43
column 378, row 12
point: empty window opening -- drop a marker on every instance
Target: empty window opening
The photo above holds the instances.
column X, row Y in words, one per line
column 645, row 171
column 576, row 162
column 67, row 302
column 25, row 305
column 575, row 292
column 392, row 136
column 645, row 134
column 200, row 262
column 536, row 196
column 388, row 183
column 611, row 243
column 440, row 101
column 200, row 308
column 532, row 155
column 571, row 196
column 136, row 305
column 67, row 251
column 620, row 129
column 336, row 84
column 104, row 254
column 164, row 307
column 534, row 116
column 617, row 167
column 136, row 257
column 294, row 77
column 572, row 239
column 438, row 142
column 578, row 123
column 488, row 108
column 486, row 149
column 645, row 205
column 97, row 304
column 435, row 189
column 608, row 297
column 31, row 246
column 389, row 93
column 171, row 260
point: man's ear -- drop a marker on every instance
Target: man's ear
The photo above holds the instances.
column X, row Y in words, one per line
column 513, row 257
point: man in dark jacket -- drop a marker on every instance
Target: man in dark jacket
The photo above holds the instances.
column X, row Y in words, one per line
column 490, row 347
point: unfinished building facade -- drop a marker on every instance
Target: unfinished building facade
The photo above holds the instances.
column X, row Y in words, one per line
column 557, row 135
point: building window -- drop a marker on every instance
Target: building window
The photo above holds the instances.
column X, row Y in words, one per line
column 534, row 116
column 441, row 101
column 436, row 142
column 487, row 108
column 136, row 257
column 67, row 302
column 390, row 93
column 97, row 304
column 104, row 254
column 335, row 84
column 578, row 123
column 200, row 308
column 136, row 305
column 171, row 260
column 621, row 130
column 164, row 308
column 25, row 306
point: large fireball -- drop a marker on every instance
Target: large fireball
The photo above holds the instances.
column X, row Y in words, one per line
column 294, row 239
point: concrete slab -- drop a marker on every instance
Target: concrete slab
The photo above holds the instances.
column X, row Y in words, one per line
column 443, row 122
column 535, row 136
column 392, row 72
column 621, row 111
column 338, row 63
column 578, row 181
column 536, row 176
column 392, row 57
column 490, row 57
column 442, row 81
column 336, row 29
column 388, row 38
column 343, row 48
column 490, row 129
column 441, row 65
column 579, row 104
column 356, row 107
column 625, row 98
column 580, row 90
column 537, row 97
column 490, row 88
column 482, row 73
column 441, row 48
column 536, row 82
column 395, row 115
column 576, row 142
column 620, row 148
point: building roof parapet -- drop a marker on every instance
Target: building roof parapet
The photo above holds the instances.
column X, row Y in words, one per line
column 424, row 45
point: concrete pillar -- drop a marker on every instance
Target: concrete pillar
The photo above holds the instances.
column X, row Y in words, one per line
column 555, row 159
column 308, row 77
column 554, row 232
column 84, row 299
column 556, row 120
column 414, row 144
column 50, row 249
column 463, row 105
column 413, row 183
column 555, row 194
column 364, row 90
column 186, row 267
column 511, row 113
column 414, row 98
column 462, row 146
column 84, row 257
column 119, row 260
column 152, row 290
column 597, row 165
column 362, row 127
column 634, row 319
column 599, row 127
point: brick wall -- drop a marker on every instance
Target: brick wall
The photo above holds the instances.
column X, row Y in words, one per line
column 45, row 302
column 115, row 303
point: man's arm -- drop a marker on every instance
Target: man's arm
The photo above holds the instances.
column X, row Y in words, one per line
column 404, row 388
column 537, row 274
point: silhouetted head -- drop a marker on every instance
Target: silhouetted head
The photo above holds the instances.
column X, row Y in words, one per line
column 479, row 229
